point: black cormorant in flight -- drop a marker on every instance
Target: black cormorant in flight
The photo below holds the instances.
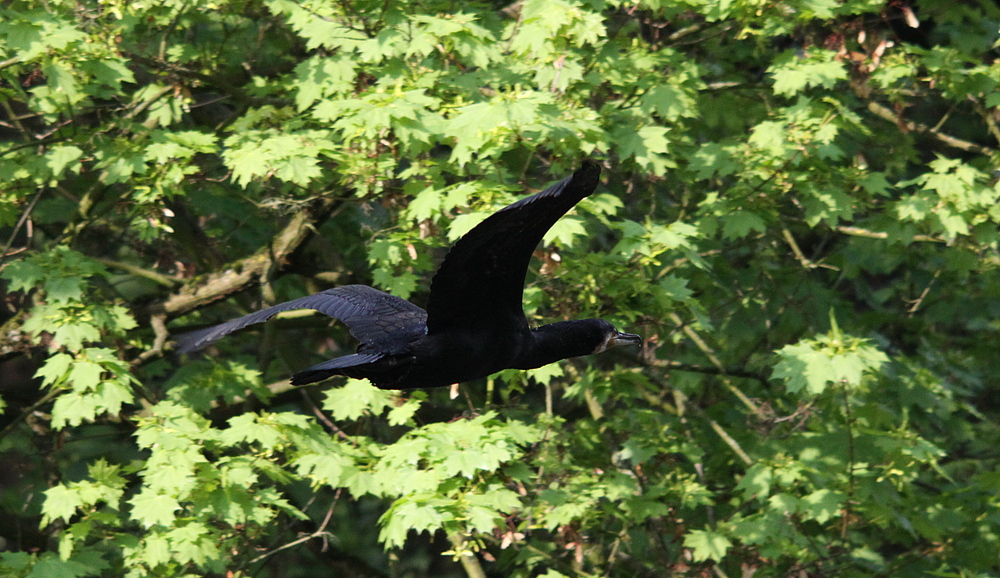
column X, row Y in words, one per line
column 473, row 325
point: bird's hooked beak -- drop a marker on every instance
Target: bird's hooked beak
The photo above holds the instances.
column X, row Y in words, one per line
column 618, row 338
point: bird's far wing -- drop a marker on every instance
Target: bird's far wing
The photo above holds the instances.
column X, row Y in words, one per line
column 377, row 319
column 481, row 281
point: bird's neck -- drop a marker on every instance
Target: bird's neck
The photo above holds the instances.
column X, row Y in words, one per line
column 553, row 342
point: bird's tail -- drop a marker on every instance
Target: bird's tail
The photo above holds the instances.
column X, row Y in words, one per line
column 339, row 366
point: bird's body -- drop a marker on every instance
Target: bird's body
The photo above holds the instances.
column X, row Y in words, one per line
column 474, row 324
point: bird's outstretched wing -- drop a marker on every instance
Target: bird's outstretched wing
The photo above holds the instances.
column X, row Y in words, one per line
column 381, row 322
column 480, row 283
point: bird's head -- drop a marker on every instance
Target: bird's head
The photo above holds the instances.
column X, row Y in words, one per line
column 611, row 337
column 565, row 339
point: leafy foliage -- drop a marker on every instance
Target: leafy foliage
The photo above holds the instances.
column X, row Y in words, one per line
column 800, row 216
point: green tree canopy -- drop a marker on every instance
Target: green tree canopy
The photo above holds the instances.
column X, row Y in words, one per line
column 800, row 215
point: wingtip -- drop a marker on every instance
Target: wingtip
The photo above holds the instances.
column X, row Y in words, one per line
column 589, row 166
column 589, row 172
column 189, row 342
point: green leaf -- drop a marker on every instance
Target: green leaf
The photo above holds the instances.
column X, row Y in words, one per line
column 668, row 101
column 54, row 369
column 803, row 367
column 565, row 231
column 676, row 288
column 321, row 77
column 793, row 74
column 88, row 400
column 248, row 428
column 827, row 204
column 566, row 513
column 785, row 504
column 150, row 509
column 462, row 224
column 61, row 502
column 328, row 468
column 172, row 471
column 706, row 545
column 757, row 481
column 713, row 159
column 425, row 205
column 403, row 414
column 356, row 398
column 646, row 145
column 419, row 512
column 769, row 136
column 84, row 375
column 739, row 223
column 497, row 498
column 824, row 504
column 835, row 358
column 914, row 208
column 65, row 289
column 23, row 275
column 546, row 373
column 401, row 284
column 193, row 542
column 61, row 157
column 72, row 408
column 200, row 384
column 51, row 566
column 156, row 549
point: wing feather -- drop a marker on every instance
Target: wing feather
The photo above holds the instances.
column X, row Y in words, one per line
column 479, row 285
column 380, row 321
column 335, row 366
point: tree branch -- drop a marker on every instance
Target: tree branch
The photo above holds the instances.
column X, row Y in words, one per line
column 884, row 112
column 859, row 232
column 158, row 278
column 473, row 569
column 245, row 272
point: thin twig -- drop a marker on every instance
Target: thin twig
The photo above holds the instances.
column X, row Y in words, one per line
column 799, row 255
column 20, row 223
column 142, row 106
column 732, row 372
column 17, row 123
column 319, row 533
column 684, row 402
column 859, row 232
column 700, row 343
column 28, row 411
column 326, row 421
column 923, row 295
column 850, row 462
column 991, row 121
